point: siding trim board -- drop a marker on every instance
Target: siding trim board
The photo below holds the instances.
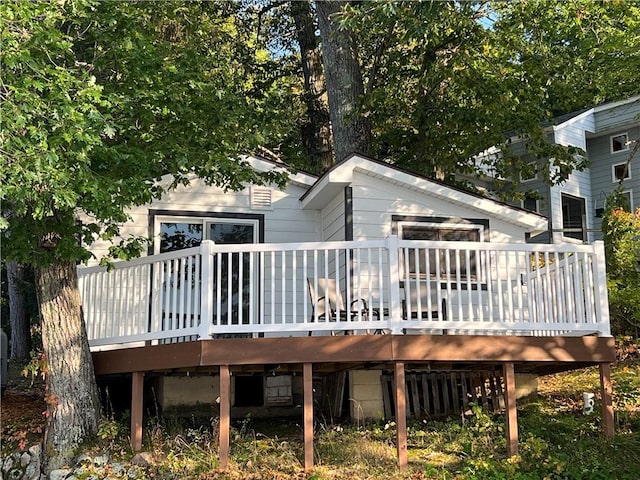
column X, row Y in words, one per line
column 348, row 213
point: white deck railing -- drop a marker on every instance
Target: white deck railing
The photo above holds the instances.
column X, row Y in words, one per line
column 388, row 286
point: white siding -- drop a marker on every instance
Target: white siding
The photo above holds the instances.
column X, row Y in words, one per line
column 285, row 222
column 333, row 220
column 376, row 200
column 572, row 132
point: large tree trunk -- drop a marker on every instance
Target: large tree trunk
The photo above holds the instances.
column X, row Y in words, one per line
column 18, row 312
column 316, row 134
column 351, row 131
column 72, row 396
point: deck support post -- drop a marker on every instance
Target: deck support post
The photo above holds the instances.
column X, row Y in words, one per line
column 307, row 378
column 401, row 414
column 606, row 392
column 137, row 388
column 225, row 415
column 510, row 407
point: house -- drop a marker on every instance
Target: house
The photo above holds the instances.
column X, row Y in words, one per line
column 409, row 285
column 607, row 134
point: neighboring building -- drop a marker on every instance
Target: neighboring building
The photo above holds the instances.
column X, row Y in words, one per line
column 606, row 133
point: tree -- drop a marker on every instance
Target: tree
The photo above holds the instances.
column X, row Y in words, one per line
column 19, row 320
column 345, row 87
column 621, row 230
column 316, row 133
column 100, row 101
column 446, row 80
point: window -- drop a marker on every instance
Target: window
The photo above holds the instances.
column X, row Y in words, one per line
column 619, row 142
column 437, row 259
column 529, row 173
column 573, row 217
column 627, row 197
column 531, row 203
column 180, row 232
column 620, row 172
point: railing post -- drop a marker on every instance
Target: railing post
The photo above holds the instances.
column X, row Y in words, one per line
column 206, row 290
column 395, row 307
column 600, row 289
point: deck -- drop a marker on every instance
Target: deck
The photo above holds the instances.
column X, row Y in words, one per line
column 332, row 306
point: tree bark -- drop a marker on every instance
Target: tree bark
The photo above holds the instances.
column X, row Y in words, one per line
column 73, row 407
column 316, row 133
column 18, row 312
column 345, row 88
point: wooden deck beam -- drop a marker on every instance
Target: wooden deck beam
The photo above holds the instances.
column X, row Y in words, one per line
column 307, row 378
column 606, row 393
column 401, row 414
column 358, row 349
column 511, row 410
column 225, row 415
column 137, row 389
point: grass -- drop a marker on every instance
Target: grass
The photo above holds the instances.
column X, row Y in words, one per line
column 556, row 442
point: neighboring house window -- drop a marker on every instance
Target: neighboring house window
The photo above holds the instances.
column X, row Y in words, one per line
column 530, row 172
column 619, row 172
column 620, row 142
column 531, row 203
column 573, row 217
column 627, row 195
column 463, row 231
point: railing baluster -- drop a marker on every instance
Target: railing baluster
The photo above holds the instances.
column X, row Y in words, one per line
column 272, row 286
column 499, row 285
column 459, row 285
column 262, row 268
column 480, row 271
column 418, row 293
column 507, row 267
column 294, row 286
column 303, row 281
column 519, row 286
column 283, row 285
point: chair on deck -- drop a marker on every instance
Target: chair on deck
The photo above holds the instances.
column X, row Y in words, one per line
column 329, row 305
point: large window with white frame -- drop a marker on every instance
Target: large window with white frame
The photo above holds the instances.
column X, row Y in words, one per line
column 619, row 142
column 437, row 262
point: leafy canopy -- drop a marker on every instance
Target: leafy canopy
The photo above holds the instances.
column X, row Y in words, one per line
column 102, row 99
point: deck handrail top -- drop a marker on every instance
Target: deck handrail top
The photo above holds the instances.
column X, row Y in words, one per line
column 351, row 244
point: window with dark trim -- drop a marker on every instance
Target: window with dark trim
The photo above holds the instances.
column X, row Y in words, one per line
column 573, row 217
column 441, row 229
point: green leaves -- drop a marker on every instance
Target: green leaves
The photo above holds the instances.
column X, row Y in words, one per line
column 103, row 99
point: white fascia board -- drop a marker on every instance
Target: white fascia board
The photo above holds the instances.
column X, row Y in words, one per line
column 571, row 121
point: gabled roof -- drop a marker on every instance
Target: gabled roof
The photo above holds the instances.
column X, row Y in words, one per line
column 333, row 181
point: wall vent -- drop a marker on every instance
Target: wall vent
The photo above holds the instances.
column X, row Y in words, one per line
column 261, row 198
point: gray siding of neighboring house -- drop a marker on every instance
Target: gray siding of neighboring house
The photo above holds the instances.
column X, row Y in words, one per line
column 613, row 118
column 602, row 162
